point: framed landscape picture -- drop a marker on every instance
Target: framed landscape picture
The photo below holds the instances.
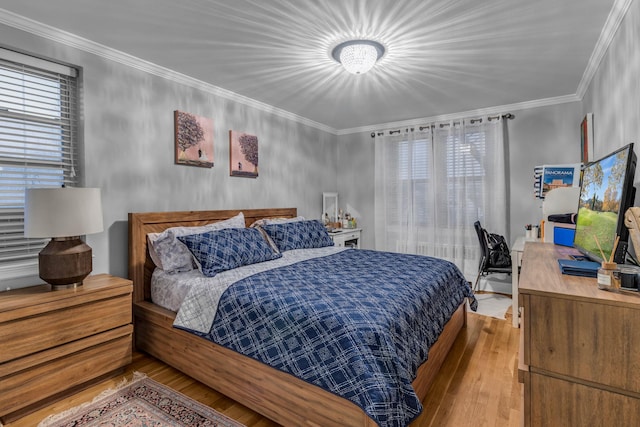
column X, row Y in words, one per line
column 193, row 139
column 243, row 153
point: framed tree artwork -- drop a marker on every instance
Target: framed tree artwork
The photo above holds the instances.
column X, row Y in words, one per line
column 243, row 153
column 193, row 139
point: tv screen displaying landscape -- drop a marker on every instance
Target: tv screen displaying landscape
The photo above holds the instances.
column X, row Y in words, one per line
column 600, row 199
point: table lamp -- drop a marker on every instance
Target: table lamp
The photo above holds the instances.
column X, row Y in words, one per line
column 63, row 214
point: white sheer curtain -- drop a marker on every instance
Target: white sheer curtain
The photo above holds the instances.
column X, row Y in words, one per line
column 433, row 183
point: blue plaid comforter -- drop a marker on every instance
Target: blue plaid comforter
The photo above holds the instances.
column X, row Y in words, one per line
column 357, row 323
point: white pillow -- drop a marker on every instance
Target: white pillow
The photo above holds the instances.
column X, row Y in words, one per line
column 171, row 255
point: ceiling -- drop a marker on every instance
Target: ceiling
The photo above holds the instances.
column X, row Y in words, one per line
column 443, row 56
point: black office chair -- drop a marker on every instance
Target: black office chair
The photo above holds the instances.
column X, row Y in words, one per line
column 485, row 268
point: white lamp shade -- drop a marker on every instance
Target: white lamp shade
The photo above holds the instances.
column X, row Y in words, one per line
column 62, row 212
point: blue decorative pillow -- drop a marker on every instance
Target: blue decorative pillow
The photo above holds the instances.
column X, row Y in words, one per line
column 299, row 235
column 169, row 254
column 222, row 250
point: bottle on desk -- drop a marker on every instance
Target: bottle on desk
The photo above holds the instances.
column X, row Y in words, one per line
column 609, row 277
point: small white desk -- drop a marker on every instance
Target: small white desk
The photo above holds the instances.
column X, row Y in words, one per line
column 516, row 261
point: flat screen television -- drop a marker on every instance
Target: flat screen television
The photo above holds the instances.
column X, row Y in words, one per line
column 606, row 193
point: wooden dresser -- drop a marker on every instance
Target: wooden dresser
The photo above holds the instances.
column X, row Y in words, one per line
column 581, row 346
column 54, row 341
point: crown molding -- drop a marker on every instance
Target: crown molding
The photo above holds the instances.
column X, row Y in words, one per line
column 501, row 109
column 614, row 20
column 51, row 33
column 609, row 30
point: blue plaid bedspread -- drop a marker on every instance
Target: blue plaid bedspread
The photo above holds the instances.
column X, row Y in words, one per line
column 357, row 323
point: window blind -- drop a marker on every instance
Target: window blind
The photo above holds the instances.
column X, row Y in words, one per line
column 465, row 173
column 460, row 165
column 414, row 170
column 38, row 138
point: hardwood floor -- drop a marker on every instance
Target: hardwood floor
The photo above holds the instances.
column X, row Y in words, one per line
column 477, row 385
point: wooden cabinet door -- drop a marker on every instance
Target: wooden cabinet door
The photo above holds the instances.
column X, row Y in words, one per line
column 564, row 403
column 592, row 342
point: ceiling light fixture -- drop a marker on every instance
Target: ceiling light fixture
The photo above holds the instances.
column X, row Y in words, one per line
column 358, row 56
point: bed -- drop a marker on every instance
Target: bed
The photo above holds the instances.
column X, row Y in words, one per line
column 275, row 394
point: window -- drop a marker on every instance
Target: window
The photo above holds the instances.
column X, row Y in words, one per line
column 414, row 171
column 465, row 175
column 431, row 186
column 450, row 168
column 38, row 138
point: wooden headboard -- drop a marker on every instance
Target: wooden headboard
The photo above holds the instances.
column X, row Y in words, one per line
column 140, row 224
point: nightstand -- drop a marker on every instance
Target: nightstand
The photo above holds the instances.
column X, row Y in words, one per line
column 349, row 237
column 54, row 341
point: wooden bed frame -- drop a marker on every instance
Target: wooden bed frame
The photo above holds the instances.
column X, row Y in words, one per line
column 277, row 395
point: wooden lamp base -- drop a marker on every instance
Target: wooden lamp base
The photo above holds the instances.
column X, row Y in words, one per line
column 65, row 262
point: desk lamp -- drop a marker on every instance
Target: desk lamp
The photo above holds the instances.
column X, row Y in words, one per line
column 63, row 214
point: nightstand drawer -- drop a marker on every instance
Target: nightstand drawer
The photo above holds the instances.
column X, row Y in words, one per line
column 31, row 334
column 52, row 341
column 350, row 235
column 347, row 237
column 28, row 380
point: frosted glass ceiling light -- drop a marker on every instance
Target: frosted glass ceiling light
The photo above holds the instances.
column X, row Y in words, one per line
column 358, row 56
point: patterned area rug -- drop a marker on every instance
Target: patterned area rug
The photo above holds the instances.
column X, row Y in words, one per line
column 141, row 402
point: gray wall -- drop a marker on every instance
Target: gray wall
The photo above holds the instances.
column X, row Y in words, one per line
column 614, row 94
column 356, row 187
column 128, row 129
column 543, row 135
column 129, row 149
column 537, row 136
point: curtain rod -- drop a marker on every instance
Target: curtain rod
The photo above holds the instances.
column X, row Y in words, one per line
column 507, row 116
